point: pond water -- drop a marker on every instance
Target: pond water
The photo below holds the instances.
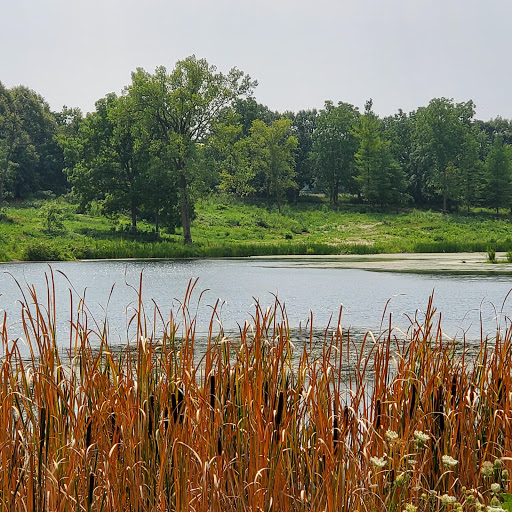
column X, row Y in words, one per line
column 110, row 289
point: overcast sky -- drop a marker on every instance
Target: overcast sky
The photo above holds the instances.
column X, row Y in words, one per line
column 401, row 53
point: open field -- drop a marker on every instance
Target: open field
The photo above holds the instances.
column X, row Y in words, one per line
column 225, row 228
column 404, row 421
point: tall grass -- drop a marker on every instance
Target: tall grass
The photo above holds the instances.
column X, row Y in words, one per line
column 253, row 423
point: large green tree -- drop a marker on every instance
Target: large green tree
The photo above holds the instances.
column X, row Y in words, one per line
column 111, row 158
column 498, row 166
column 441, row 130
column 182, row 108
column 333, row 148
column 380, row 177
column 272, row 156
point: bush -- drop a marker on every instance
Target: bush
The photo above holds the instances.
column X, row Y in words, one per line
column 491, row 254
column 41, row 251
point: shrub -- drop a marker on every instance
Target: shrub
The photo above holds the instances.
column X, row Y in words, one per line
column 491, row 254
column 41, row 251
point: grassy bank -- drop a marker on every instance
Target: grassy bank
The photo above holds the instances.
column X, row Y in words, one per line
column 255, row 423
column 228, row 228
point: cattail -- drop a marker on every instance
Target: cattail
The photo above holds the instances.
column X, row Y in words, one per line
column 413, row 401
column 500, row 391
column 280, row 407
column 88, row 434
column 180, row 405
column 346, row 416
column 377, row 415
column 454, row 389
column 219, row 445
column 112, row 418
column 151, row 412
column 439, row 409
column 212, row 392
column 90, row 494
column 42, row 427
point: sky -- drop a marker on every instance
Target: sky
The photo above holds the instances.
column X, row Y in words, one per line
column 400, row 53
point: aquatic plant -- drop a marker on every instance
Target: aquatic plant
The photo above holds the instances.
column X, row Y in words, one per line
column 400, row 421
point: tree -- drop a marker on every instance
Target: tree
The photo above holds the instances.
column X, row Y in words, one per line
column 304, row 125
column 112, row 158
column 498, row 175
column 229, row 154
column 182, row 109
column 333, row 149
column 380, row 177
column 441, row 130
column 12, row 137
column 470, row 170
column 249, row 110
column 272, row 151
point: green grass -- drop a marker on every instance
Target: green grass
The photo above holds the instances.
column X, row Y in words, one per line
column 227, row 228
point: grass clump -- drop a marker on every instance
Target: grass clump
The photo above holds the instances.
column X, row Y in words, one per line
column 255, row 422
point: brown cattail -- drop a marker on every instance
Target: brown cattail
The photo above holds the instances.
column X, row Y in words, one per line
column 454, row 389
column 501, row 394
column 219, row 445
column 377, row 415
column 280, row 407
column 413, row 401
column 88, row 434
column 212, row 392
column 151, row 413
column 90, row 494
column 439, row 409
column 177, row 405
column 42, row 427
column 346, row 416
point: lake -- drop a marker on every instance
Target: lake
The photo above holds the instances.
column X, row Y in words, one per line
column 110, row 289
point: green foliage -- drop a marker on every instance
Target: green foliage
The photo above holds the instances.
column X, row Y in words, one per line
column 440, row 138
column 51, row 217
column 333, row 149
column 272, row 156
column 498, row 165
column 491, row 254
column 380, row 178
column 180, row 111
column 41, row 250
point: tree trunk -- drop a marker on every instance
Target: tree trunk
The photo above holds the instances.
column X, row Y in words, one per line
column 134, row 218
column 185, row 209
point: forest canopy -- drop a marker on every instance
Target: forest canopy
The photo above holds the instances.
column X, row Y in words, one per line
column 174, row 135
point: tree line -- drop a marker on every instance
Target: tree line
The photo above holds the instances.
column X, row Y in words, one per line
column 172, row 136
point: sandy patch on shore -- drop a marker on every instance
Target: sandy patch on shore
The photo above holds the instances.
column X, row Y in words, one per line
column 455, row 263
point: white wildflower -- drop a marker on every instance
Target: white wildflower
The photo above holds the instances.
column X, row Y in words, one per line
column 410, row 508
column 495, row 488
column 491, row 508
column 391, row 435
column 421, row 437
column 379, row 462
column 446, row 499
column 487, row 468
column 449, row 461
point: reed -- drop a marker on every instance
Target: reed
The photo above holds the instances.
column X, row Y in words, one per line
column 256, row 422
